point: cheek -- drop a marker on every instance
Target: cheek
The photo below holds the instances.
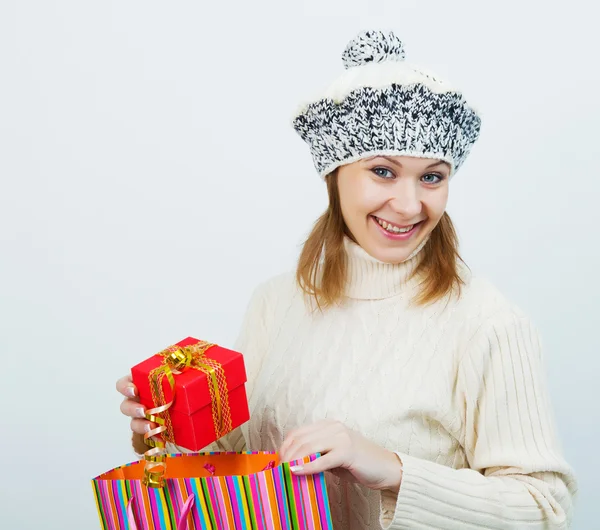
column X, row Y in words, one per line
column 358, row 199
column 436, row 203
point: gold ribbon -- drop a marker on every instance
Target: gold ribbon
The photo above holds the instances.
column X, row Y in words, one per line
column 176, row 360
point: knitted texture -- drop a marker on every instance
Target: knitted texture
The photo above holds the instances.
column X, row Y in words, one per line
column 457, row 389
column 373, row 46
column 381, row 105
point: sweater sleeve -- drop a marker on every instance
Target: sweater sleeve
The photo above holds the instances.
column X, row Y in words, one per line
column 517, row 477
column 252, row 342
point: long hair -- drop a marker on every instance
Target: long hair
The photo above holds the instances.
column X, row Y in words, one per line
column 322, row 265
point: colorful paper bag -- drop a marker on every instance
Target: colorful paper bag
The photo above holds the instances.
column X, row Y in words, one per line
column 214, row 491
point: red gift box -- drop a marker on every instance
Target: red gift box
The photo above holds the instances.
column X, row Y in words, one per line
column 191, row 415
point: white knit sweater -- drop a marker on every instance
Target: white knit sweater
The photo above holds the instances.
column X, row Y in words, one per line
column 456, row 389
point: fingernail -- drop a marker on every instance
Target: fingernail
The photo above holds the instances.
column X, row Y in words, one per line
column 130, row 391
column 148, row 427
column 140, row 413
column 295, row 469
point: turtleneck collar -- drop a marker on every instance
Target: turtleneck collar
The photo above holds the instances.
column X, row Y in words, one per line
column 371, row 279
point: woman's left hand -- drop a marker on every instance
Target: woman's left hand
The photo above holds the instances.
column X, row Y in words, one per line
column 343, row 450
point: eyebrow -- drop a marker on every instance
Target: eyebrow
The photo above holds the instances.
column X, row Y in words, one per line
column 390, row 159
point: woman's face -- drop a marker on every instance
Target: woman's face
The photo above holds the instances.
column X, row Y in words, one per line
column 391, row 203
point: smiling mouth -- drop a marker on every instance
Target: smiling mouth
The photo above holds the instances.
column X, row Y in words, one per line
column 395, row 229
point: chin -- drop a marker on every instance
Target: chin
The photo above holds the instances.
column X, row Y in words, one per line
column 391, row 252
column 390, row 255
column 394, row 256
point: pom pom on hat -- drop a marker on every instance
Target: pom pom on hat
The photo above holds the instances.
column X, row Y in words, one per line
column 373, row 47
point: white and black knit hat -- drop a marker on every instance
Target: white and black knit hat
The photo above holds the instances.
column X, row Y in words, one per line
column 383, row 105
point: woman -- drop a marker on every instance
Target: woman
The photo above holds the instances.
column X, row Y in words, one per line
column 421, row 385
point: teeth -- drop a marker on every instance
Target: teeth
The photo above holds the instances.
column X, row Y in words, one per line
column 393, row 229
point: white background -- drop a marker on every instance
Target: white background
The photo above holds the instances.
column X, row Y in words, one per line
column 150, row 178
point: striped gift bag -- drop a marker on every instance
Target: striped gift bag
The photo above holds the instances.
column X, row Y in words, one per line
column 214, row 491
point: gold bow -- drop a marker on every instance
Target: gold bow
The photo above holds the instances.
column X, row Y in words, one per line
column 176, row 360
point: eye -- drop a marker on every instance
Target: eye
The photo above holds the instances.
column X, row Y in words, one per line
column 432, row 178
column 384, row 169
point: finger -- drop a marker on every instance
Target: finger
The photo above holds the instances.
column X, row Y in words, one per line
column 285, row 446
column 132, row 408
column 308, row 432
column 323, row 463
column 141, row 426
column 126, row 387
column 289, row 447
column 311, row 443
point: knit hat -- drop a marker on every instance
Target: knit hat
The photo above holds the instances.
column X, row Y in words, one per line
column 382, row 105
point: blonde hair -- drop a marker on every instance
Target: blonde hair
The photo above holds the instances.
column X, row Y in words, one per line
column 322, row 265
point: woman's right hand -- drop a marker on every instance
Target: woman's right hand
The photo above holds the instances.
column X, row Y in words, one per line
column 132, row 408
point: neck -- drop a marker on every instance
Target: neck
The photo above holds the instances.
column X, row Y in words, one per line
column 371, row 279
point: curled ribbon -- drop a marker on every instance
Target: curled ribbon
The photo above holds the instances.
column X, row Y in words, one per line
column 177, row 359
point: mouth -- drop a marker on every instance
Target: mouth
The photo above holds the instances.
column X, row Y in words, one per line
column 394, row 231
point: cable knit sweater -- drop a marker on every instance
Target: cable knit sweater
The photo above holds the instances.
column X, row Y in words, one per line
column 456, row 389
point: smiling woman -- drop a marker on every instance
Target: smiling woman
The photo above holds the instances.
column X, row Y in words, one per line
column 420, row 384
column 382, row 206
column 392, row 212
column 392, row 207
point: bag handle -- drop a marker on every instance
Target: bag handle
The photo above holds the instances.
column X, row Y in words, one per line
column 181, row 525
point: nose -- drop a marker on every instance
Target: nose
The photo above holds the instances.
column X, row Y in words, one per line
column 406, row 201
